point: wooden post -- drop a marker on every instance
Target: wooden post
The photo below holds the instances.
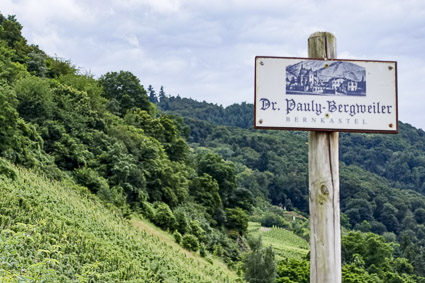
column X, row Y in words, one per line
column 325, row 229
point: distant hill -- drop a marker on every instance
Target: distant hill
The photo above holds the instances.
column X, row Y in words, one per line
column 341, row 69
column 399, row 158
column 236, row 115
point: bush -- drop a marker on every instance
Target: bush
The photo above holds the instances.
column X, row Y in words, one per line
column 202, row 250
column 233, row 234
column 7, row 170
column 148, row 211
column 182, row 223
column 237, row 219
column 218, row 251
column 197, row 231
column 177, row 237
column 294, row 270
column 259, row 266
column 90, row 178
column 190, row 242
column 271, row 219
column 164, row 217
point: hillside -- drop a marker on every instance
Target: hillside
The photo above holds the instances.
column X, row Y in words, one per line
column 285, row 243
column 59, row 232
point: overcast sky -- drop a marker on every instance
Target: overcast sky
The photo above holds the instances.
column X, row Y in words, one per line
column 205, row 49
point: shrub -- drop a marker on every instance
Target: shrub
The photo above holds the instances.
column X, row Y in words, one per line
column 164, row 217
column 233, row 234
column 237, row 219
column 202, row 250
column 182, row 223
column 7, row 170
column 271, row 219
column 177, row 237
column 259, row 266
column 218, row 251
column 190, row 242
column 148, row 211
column 195, row 227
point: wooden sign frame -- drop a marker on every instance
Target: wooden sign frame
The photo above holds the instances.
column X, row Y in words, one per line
column 329, row 83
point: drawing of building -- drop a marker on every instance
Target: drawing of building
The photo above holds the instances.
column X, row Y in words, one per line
column 338, row 78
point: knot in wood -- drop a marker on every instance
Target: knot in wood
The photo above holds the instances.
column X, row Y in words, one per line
column 324, row 189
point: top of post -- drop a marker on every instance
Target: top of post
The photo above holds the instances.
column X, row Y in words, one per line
column 322, row 45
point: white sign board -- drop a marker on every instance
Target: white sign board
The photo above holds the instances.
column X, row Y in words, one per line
column 326, row 95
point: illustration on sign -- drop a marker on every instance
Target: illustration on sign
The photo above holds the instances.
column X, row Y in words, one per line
column 325, row 78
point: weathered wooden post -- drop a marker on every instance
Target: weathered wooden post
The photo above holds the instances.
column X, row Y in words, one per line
column 325, row 95
column 323, row 162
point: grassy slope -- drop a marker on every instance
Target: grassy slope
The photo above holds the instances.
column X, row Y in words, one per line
column 57, row 232
column 285, row 243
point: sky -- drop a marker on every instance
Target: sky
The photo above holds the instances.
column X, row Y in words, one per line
column 205, row 49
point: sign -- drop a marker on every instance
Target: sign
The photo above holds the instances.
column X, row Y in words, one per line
column 326, row 95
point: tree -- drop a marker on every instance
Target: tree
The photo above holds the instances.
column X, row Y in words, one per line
column 8, row 118
column 389, row 219
column 161, row 94
column 237, row 219
column 57, row 67
column 358, row 210
column 125, row 88
column 190, row 242
column 370, row 247
column 10, row 32
column 152, row 95
column 35, row 99
column 182, row 222
column 222, row 171
column 355, row 273
column 205, row 191
column 164, row 217
column 36, row 64
column 242, row 198
column 420, row 215
column 293, row 271
column 259, row 266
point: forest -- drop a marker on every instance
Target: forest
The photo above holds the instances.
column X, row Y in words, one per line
column 195, row 169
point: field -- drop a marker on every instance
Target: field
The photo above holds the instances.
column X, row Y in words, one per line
column 285, row 243
column 58, row 232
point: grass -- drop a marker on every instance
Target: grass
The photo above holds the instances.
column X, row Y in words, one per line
column 285, row 243
column 167, row 238
column 58, row 232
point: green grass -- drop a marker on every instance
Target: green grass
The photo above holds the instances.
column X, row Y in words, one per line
column 285, row 243
column 58, row 232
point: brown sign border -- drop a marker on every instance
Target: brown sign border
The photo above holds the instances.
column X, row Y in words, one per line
column 395, row 131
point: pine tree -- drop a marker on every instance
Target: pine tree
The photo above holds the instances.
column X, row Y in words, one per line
column 161, row 94
column 259, row 265
column 152, row 95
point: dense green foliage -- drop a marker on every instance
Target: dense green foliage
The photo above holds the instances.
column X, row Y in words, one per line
column 367, row 257
column 259, row 264
column 238, row 115
column 379, row 174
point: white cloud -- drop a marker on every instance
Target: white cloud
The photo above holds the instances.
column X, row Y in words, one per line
column 205, row 49
column 163, row 6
